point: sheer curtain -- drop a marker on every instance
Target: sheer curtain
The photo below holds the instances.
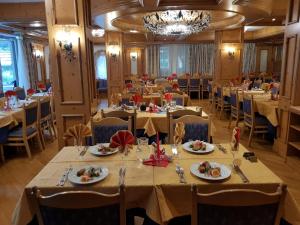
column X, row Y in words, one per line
column 153, row 60
column 202, row 58
column 22, row 64
column 174, row 59
column 249, row 58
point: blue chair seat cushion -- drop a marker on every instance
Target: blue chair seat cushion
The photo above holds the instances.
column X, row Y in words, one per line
column 259, row 120
column 18, row 132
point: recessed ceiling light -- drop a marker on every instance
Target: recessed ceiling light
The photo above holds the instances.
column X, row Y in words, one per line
column 274, row 19
column 133, row 31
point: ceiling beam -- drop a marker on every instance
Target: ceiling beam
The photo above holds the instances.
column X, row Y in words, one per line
column 149, row 3
column 22, row 12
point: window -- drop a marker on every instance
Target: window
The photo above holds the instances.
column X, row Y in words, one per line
column 8, row 63
column 164, row 60
column 100, row 58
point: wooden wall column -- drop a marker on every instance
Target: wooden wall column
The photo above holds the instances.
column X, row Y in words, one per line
column 70, row 78
column 114, row 56
column 290, row 78
column 228, row 67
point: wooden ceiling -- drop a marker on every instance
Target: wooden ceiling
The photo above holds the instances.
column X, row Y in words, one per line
column 125, row 15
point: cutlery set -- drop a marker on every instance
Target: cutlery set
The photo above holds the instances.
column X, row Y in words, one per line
column 180, row 172
column 64, row 177
column 82, row 153
column 122, row 173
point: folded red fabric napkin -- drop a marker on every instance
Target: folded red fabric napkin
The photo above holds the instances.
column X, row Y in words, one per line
column 136, row 98
column 122, row 139
column 168, row 97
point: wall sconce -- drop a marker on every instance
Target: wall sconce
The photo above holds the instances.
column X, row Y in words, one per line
column 65, row 38
column 37, row 53
column 98, row 32
column 114, row 50
column 133, row 55
column 230, row 51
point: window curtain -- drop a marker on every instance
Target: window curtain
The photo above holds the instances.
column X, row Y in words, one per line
column 152, row 60
column 202, row 59
column 30, row 62
column 174, row 58
column 249, row 58
column 22, row 64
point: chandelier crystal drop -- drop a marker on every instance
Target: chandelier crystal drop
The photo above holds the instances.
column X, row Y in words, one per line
column 177, row 22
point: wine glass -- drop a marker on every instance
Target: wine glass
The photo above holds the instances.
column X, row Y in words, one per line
column 142, row 151
column 234, row 149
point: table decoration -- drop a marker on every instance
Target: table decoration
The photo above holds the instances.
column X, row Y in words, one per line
column 158, row 158
column 77, row 132
column 179, row 133
column 136, row 98
column 10, row 99
column 168, row 97
column 123, row 140
column 41, row 87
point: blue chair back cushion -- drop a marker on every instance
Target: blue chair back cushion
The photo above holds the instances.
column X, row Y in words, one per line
column 3, row 134
column 179, row 101
column 21, row 94
column 233, row 100
column 219, row 92
column 196, row 132
column 242, row 215
column 102, row 134
column 195, row 82
column 1, row 94
column 45, row 109
column 31, row 115
column 107, row 215
column 182, row 82
column 247, row 106
column 126, row 101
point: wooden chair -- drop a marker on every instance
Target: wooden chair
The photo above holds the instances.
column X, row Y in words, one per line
column 179, row 113
column 194, row 86
column 205, row 87
column 19, row 136
column 236, row 112
column 45, row 118
column 258, row 124
column 124, row 115
column 103, row 129
column 183, row 84
column 237, row 206
column 222, row 104
column 81, row 207
column 20, row 93
column 3, row 139
column 196, row 127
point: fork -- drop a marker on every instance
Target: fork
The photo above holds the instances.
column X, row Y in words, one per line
column 82, row 153
column 64, row 177
column 241, row 173
column 180, row 172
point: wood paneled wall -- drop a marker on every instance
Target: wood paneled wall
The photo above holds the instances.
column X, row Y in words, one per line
column 228, row 67
column 140, row 61
column 70, row 79
column 290, row 74
column 115, row 70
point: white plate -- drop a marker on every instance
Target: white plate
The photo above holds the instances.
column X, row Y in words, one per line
column 94, row 150
column 225, row 171
column 72, row 176
column 209, row 148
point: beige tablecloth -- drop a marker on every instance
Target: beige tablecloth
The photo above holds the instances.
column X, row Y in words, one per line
column 267, row 108
column 156, row 98
column 11, row 117
column 154, row 188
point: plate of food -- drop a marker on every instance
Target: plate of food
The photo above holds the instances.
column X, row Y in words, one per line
column 198, row 147
column 210, row 171
column 102, row 150
column 87, row 174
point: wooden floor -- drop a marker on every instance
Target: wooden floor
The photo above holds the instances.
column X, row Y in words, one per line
column 19, row 170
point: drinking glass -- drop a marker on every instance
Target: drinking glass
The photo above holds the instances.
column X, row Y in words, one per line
column 234, row 151
column 142, row 151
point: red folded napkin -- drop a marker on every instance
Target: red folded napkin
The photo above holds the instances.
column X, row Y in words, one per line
column 129, row 85
column 122, row 139
column 10, row 93
column 30, row 91
column 168, row 97
column 136, row 98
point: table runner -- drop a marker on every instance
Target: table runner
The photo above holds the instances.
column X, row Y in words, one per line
column 154, row 188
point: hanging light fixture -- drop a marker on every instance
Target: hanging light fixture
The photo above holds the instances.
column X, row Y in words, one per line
column 177, row 22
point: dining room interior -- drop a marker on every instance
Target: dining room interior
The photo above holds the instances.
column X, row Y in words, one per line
column 149, row 112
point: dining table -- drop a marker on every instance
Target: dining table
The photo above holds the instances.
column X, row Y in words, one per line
column 153, row 122
column 156, row 189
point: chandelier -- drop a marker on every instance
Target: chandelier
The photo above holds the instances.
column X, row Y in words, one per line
column 176, row 22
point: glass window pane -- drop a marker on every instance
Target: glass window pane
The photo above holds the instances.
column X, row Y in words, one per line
column 7, row 63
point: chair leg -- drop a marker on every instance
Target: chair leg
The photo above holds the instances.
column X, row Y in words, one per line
column 27, row 148
column 50, row 130
column 38, row 137
column 53, row 127
column 230, row 120
column 42, row 137
column 250, row 136
column 221, row 110
column 2, row 154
